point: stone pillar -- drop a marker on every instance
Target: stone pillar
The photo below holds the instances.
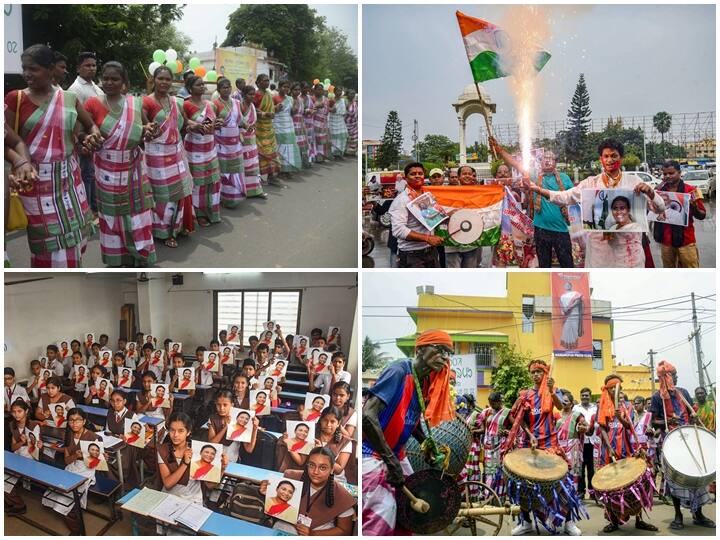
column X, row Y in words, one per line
column 461, row 144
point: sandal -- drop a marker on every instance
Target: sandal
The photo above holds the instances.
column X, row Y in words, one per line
column 171, row 243
column 203, row 222
column 703, row 521
column 677, row 525
column 610, row 527
column 645, row 526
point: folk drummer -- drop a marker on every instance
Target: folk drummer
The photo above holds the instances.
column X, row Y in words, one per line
column 671, row 408
column 615, row 432
column 533, row 412
column 391, row 414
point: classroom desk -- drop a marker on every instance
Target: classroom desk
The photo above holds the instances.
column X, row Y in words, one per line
column 94, row 411
column 248, row 472
column 48, row 476
column 220, row 524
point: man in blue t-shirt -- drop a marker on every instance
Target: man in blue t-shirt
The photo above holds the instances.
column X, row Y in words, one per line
column 550, row 220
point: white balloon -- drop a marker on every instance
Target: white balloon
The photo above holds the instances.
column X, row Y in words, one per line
column 153, row 67
column 170, row 55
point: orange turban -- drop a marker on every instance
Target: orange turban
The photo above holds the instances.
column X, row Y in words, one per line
column 434, row 337
column 606, row 407
column 546, row 402
column 664, row 372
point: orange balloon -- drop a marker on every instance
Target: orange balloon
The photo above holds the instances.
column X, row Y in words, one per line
column 180, row 67
column 331, row 88
column 316, row 81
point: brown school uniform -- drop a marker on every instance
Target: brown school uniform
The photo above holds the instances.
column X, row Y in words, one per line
column 44, row 405
column 12, row 499
column 314, row 507
column 243, row 403
column 129, row 454
column 217, row 424
column 72, row 520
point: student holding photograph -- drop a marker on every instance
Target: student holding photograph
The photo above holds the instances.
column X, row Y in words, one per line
column 174, row 458
column 21, row 444
column 340, row 397
column 241, row 391
column 115, row 424
column 13, row 391
column 329, row 505
column 52, row 398
column 54, row 362
column 321, row 384
column 144, row 404
column 33, row 387
column 74, row 463
column 91, row 395
column 219, row 423
column 330, row 435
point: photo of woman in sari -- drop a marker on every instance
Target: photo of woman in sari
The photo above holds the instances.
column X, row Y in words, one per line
column 572, row 308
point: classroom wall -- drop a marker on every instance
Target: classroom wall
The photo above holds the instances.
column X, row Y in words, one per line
column 44, row 312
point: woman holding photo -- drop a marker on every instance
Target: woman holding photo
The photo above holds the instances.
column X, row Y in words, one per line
column 220, row 422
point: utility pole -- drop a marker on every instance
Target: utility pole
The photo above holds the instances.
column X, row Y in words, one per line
column 652, row 354
column 698, row 347
column 415, row 139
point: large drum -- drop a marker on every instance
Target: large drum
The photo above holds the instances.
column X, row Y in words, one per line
column 453, row 434
column 624, row 487
column 688, row 457
column 538, row 481
column 441, row 493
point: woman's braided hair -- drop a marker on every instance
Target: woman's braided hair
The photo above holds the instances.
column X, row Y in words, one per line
column 330, row 486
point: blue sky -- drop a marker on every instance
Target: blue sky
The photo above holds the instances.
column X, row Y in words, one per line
column 637, row 59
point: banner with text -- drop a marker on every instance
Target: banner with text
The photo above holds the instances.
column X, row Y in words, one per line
column 233, row 65
column 466, row 373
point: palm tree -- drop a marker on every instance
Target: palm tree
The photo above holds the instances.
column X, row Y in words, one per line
column 372, row 358
column 662, row 122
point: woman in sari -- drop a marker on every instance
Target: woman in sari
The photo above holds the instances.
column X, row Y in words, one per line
column 571, row 427
column 59, row 217
column 249, row 142
column 124, row 194
column 167, row 165
column 571, row 306
column 202, row 153
column 308, row 120
column 229, row 147
column 336, row 125
column 320, row 123
column 351, row 121
column 288, row 150
column 298, row 118
column 266, row 142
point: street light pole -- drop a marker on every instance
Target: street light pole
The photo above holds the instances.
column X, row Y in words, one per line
column 698, row 346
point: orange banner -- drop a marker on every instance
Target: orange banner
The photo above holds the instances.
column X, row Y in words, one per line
column 467, row 196
column 571, row 314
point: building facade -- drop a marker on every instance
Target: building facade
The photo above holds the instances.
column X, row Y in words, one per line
column 522, row 318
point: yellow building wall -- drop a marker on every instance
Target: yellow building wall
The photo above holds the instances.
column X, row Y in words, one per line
column 504, row 315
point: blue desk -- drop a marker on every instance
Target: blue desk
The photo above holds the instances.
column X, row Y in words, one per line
column 281, row 410
column 181, row 397
column 248, row 472
column 48, row 476
column 221, row 525
column 151, row 420
column 94, row 411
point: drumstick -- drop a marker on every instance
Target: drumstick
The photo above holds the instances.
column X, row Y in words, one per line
column 419, row 505
column 697, row 433
column 617, row 393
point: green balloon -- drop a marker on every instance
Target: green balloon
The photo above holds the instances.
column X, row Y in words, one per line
column 159, row 56
column 194, row 62
column 172, row 66
column 327, row 81
column 212, row 76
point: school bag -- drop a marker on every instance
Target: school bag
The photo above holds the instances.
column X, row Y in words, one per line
column 247, row 503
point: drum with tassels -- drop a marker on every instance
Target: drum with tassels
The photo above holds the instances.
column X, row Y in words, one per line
column 453, row 436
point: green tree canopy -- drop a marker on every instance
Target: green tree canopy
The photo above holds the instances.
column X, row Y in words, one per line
column 662, row 122
column 512, row 374
column 296, row 36
column 391, row 144
column 578, row 119
column 127, row 33
column 437, row 148
column 372, row 358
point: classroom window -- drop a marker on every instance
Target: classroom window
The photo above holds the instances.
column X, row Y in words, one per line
column 597, row 358
column 528, row 314
column 483, row 355
column 251, row 309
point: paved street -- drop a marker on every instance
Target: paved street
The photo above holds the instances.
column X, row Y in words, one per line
column 660, row 516
column 704, row 232
column 310, row 223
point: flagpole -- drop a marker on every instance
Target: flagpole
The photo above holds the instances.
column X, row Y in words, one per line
column 484, row 115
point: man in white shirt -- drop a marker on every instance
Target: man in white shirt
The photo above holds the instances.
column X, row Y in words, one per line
column 85, row 88
column 588, row 410
column 322, row 384
column 417, row 247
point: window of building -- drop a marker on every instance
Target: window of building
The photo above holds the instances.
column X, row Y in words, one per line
column 483, row 355
column 251, row 309
column 597, row 357
column 528, row 314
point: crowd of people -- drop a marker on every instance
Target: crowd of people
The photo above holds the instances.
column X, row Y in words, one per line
column 587, row 436
column 57, row 382
column 146, row 168
column 545, row 201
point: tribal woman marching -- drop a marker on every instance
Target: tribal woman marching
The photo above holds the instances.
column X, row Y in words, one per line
column 167, row 166
column 351, row 120
column 229, row 146
column 288, row 150
column 308, row 120
column 202, row 153
column 266, row 142
column 571, row 427
column 249, row 141
column 320, row 122
column 298, row 117
column 124, row 194
column 336, row 125
column 56, row 205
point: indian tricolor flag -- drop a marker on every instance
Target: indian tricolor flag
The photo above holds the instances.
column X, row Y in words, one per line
column 485, row 45
column 475, row 214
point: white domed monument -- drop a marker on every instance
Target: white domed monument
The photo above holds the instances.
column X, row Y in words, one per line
column 469, row 103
